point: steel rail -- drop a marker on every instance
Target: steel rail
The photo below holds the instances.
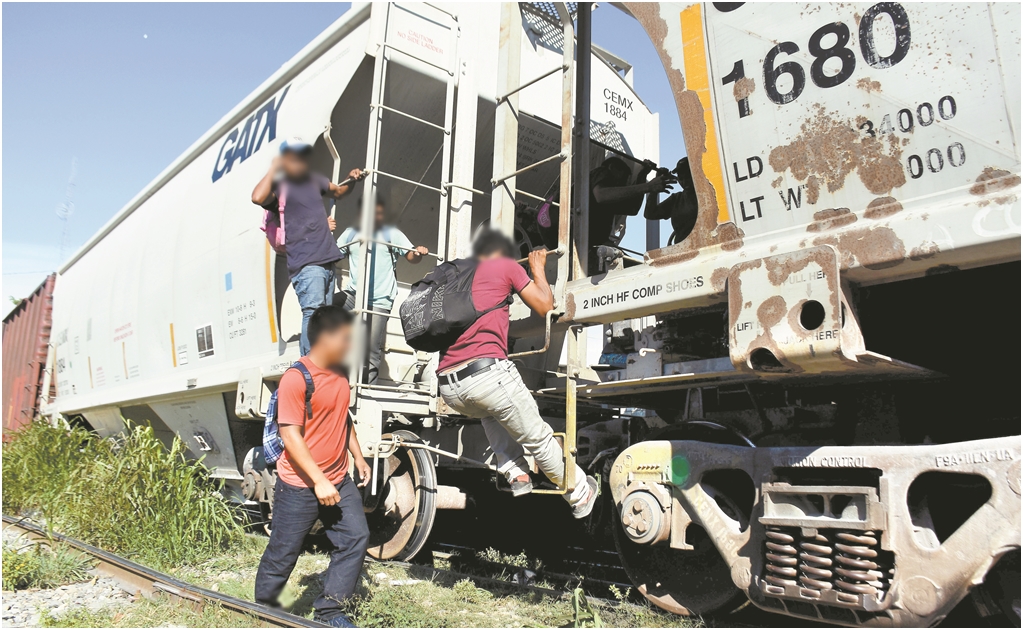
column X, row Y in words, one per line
column 410, row 117
column 543, row 76
column 361, row 239
column 537, row 197
column 131, row 575
column 556, row 157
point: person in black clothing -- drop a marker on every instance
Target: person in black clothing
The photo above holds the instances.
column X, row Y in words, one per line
column 680, row 208
column 613, row 192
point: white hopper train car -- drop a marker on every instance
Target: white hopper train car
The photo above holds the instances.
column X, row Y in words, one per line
column 177, row 313
column 805, row 402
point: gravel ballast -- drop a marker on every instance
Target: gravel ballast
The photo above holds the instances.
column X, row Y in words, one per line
column 24, row 608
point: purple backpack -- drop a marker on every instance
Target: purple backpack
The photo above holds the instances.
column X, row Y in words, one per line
column 273, row 222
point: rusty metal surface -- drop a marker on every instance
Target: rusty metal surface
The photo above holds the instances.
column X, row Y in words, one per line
column 857, row 192
column 900, row 568
column 707, row 232
column 881, row 243
column 791, row 314
column 26, row 335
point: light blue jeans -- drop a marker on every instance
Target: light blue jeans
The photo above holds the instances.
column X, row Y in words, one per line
column 314, row 286
column 512, row 423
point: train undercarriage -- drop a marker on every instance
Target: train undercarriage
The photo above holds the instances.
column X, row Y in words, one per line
column 868, row 502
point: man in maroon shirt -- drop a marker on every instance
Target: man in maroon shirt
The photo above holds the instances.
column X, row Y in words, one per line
column 477, row 379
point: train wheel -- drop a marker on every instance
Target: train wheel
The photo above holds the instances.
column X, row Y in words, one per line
column 686, row 582
column 403, row 518
column 693, row 582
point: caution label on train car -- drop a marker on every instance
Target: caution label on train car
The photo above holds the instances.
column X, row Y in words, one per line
column 840, row 106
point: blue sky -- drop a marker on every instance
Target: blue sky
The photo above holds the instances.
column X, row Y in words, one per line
column 123, row 89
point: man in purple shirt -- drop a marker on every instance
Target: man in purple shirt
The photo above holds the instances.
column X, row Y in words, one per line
column 308, row 229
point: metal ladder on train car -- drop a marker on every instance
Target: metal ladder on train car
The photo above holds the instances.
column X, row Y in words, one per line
column 378, row 106
column 504, row 192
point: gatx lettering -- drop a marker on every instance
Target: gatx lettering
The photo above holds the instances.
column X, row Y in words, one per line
column 248, row 137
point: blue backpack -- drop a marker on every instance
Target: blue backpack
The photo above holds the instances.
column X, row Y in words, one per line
column 273, row 445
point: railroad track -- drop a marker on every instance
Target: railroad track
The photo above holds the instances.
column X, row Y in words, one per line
column 135, row 578
column 571, row 567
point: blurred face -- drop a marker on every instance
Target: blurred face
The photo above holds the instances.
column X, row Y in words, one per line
column 294, row 165
column 334, row 344
column 682, row 172
column 617, row 173
column 380, row 215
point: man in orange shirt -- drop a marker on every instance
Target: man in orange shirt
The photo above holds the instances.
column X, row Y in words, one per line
column 313, row 481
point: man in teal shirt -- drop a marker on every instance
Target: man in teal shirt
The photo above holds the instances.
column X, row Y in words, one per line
column 383, row 284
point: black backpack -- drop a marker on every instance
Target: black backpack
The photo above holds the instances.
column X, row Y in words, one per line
column 440, row 308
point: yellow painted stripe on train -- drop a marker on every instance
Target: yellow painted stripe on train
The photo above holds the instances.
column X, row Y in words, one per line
column 694, row 54
column 270, row 295
column 174, row 348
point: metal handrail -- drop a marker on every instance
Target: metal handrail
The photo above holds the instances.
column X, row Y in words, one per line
column 409, row 116
column 559, row 156
column 448, row 13
column 360, row 311
column 543, row 76
column 537, row 197
column 547, row 337
column 362, row 239
column 553, row 252
column 461, row 187
column 385, row 46
column 434, row 449
column 333, row 154
column 396, row 442
column 443, row 193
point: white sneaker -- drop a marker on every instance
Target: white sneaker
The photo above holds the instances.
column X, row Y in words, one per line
column 583, row 508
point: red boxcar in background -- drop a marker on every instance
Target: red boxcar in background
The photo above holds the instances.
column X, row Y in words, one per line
column 26, row 336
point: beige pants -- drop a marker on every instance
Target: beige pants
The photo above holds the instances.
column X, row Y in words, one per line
column 512, row 423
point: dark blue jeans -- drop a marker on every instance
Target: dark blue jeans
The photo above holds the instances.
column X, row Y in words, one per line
column 295, row 512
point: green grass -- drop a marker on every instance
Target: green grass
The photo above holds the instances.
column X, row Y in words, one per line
column 520, row 560
column 129, row 495
column 151, row 613
column 134, row 497
column 38, row 463
column 420, row 597
column 42, row 565
column 392, row 599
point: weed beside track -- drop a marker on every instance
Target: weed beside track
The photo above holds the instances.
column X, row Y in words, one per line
column 35, row 565
column 130, row 495
column 135, row 497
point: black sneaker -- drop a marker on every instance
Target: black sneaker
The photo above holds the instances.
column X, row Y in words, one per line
column 340, row 621
column 582, row 510
column 521, row 485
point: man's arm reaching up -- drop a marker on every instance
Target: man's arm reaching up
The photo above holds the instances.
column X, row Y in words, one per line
column 538, row 295
column 605, row 194
column 263, row 192
column 300, row 457
column 340, row 191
